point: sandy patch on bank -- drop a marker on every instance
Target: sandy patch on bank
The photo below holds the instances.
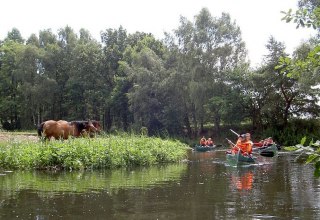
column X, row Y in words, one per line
column 7, row 136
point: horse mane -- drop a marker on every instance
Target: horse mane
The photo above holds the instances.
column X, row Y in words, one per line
column 80, row 125
column 95, row 122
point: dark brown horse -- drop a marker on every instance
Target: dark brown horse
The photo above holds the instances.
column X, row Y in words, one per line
column 91, row 132
column 62, row 129
column 97, row 125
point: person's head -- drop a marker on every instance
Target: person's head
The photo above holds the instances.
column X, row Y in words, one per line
column 242, row 137
column 209, row 139
column 248, row 136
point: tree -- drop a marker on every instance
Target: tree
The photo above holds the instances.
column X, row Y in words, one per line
column 146, row 72
column 10, row 80
column 114, row 45
column 210, row 48
column 14, row 35
column 308, row 14
column 86, row 85
column 29, row 69
column 305, row 67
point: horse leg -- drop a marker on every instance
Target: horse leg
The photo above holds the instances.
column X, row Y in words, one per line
column 65, row 134
column 84, row 133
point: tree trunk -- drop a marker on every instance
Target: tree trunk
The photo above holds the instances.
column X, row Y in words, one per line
column 188, row 126
column 217, row 120
column 288, row 101
column 286, row 113
column 195, row 123
column 107, row 119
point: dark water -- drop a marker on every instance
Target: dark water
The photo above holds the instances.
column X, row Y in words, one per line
column 202, row 188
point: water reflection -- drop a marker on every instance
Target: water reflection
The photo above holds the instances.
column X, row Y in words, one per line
column 89, row 181
column 242, row 178
column 203, row 188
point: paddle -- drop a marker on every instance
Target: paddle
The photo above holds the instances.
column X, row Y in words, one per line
column 267, row 153
column 235, row 132
column 230, row 142
column 262, row 153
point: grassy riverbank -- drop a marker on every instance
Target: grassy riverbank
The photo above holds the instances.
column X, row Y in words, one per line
column 90, row 153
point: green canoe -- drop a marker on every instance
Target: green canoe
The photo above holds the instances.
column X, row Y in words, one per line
column 269, row 150
column 235, row 159
column 204, row 148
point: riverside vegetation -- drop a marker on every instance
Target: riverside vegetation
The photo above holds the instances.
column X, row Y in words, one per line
column 308, row 153
column 198, row 74
column 86, row 153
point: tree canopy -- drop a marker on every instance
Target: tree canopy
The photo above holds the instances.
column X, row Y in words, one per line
column 197, row 76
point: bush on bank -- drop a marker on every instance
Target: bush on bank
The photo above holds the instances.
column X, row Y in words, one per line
column 90, row 153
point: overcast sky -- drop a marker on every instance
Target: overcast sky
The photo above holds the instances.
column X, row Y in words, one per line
column 258, row 19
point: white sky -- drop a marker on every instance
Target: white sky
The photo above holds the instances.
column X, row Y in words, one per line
column 258, row 19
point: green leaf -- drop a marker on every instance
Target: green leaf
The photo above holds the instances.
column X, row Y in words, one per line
column 317, row 169
column 312, row 158
column 291, row 148
column 303, row 140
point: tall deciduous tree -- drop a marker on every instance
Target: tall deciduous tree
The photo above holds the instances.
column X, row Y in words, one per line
column 86, row 84
column 10, row 80
column 114, row 44
column 210, row 48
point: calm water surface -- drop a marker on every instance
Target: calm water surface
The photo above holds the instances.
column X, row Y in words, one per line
column 204, row 187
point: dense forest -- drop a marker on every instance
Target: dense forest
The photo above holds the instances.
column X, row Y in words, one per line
column 197, row 77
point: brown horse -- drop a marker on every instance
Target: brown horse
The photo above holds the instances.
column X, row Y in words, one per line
column 91, row 132
column 62, row 129
column 97, row 125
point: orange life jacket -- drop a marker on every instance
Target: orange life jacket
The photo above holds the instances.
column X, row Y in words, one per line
column 209, row 143
column 245, row 147
column 203, row 141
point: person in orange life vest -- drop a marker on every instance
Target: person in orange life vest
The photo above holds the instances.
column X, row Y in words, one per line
column 240, row 144
column 203, row 141
column 249, row 143
column 267, row 141
column 244, row 143
column 209, row 142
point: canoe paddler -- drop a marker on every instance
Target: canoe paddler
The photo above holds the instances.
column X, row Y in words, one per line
column 203, row 141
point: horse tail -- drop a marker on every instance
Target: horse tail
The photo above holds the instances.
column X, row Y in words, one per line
column 40, row 129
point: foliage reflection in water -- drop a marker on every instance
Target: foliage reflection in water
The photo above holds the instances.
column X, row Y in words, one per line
column 79, row 182
column 203, row 188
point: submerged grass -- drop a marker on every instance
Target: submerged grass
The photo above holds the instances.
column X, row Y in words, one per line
column 85, row 153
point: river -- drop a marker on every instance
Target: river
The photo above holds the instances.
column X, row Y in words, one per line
column 203, row 187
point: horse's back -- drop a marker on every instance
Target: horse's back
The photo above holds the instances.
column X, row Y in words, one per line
column 62, row 123
column 49, row 124
column 56, row 129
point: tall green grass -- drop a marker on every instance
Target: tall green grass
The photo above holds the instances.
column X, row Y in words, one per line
column 91, row 153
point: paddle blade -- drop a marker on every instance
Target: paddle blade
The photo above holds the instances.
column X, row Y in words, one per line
column 267, row 153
